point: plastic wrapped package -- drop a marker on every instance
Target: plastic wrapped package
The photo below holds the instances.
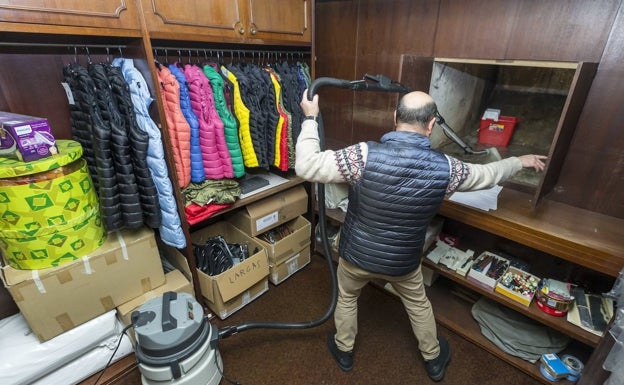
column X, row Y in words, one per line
column 23, row 359
column 90, row 363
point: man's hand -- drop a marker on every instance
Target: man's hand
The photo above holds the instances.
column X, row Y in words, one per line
column 535, row 161
column 309, row 107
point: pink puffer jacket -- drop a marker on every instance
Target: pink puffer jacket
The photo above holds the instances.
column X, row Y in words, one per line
column 215, row 153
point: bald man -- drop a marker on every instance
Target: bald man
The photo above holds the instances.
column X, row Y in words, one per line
column 396, row 188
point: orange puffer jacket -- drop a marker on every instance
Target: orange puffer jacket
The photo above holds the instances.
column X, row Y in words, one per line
column 179, row 129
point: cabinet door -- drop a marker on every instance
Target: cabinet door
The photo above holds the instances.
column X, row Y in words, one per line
column 284, row 20
column 94, row 13
column 208, row 18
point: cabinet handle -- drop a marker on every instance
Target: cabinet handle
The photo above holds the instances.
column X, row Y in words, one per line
column 241, row 30
column 253, row 31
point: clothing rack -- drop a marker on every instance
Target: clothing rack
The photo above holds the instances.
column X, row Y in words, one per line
column 221, row 53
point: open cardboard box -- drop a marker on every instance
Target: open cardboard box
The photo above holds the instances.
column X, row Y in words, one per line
column 285, row 248
column 229, row 291
column 265, row 214
column 58, row 299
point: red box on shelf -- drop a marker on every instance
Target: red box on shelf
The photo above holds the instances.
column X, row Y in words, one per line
column 497, row 133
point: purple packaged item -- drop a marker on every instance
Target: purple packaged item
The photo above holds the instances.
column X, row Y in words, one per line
column 26, row 137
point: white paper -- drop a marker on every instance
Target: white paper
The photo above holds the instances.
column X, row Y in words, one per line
column 482, row 199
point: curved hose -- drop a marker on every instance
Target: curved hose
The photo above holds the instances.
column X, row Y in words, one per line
column 369, row 83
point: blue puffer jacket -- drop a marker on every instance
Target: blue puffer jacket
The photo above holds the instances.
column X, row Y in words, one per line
column 170, row 229
column 197, row 167
column 390, row 207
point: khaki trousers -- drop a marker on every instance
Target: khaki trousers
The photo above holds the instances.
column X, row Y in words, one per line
column 411, row 290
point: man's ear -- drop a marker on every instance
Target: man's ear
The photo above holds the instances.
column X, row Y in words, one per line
column 430, row 125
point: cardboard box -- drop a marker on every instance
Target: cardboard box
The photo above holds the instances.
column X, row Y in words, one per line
column 518, row 285
column 174, row 281
column 280, row 272
column 288, row 246
column 267, row 213
column 58, row 299
column 29, row 137
column 230, row 307
column 231, row 290
column 486, row 264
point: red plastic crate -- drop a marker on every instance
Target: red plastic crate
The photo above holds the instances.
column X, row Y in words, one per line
column 497, row 133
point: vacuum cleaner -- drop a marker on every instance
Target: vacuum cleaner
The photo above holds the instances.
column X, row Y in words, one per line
column 176, row 344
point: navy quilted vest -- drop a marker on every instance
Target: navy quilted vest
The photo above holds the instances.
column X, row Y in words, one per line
column 390, row 207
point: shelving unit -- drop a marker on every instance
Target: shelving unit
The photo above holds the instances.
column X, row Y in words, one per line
column 570, row 237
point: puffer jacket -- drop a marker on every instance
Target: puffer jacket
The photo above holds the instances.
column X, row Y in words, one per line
column 170, row 229
column 391, row 205
column 127, row 188
column 139, row 142
column 242, row 113
column 197, row 168
column 217, row 161
column 281, row 132
column 178, row 127
column 251, row 94
column 93, row 133
column 230, row 125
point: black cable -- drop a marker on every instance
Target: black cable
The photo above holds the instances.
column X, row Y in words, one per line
column 221, row 371
column 123, row 332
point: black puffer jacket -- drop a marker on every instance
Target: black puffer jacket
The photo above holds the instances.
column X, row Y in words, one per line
column 120, row 148
column 139, row 141
column 93, row 133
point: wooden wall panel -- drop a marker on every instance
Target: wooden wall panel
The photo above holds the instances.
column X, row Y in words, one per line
column 387, row 30
column 563, row 30
column 335, row 45
column 593, row 173
column 478, row 29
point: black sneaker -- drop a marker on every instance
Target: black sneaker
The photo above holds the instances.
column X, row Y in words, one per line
column 437, row 366
column 344, row 359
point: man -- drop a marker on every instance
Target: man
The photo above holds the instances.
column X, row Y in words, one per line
column 396, row 188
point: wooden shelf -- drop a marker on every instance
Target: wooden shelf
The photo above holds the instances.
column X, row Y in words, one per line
column 293, row 181
column 532, row 311
column 455, row 314
column 579, row 236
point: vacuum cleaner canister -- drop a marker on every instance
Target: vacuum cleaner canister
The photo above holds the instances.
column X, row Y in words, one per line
column 175, row 342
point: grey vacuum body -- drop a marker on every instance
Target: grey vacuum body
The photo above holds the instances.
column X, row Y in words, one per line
column 175, row 342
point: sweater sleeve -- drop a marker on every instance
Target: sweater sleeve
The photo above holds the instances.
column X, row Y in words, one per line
column 481, row 176
column 327, row 166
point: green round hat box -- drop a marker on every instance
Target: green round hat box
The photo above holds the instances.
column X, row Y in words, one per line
column 49, row 210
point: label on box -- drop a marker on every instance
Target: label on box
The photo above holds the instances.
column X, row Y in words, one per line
column 267, row 220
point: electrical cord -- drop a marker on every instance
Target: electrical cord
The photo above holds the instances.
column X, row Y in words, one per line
column 123, row 332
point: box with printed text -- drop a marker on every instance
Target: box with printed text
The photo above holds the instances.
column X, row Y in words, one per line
column 265, row 214
column 234, row 288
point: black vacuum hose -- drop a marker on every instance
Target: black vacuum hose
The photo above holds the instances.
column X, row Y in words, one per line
column 369, row 83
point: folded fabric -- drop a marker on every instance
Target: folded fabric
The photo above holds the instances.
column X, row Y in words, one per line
column 196, row 213
column 515, row 333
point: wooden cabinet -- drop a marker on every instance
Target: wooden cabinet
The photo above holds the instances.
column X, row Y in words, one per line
column 235, row 21
column 525, row 29
column 118, row 14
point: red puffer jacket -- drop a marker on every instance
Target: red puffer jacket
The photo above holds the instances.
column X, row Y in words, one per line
column 179, row 129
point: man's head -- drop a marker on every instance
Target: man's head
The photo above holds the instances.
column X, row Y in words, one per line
column 416, row 113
